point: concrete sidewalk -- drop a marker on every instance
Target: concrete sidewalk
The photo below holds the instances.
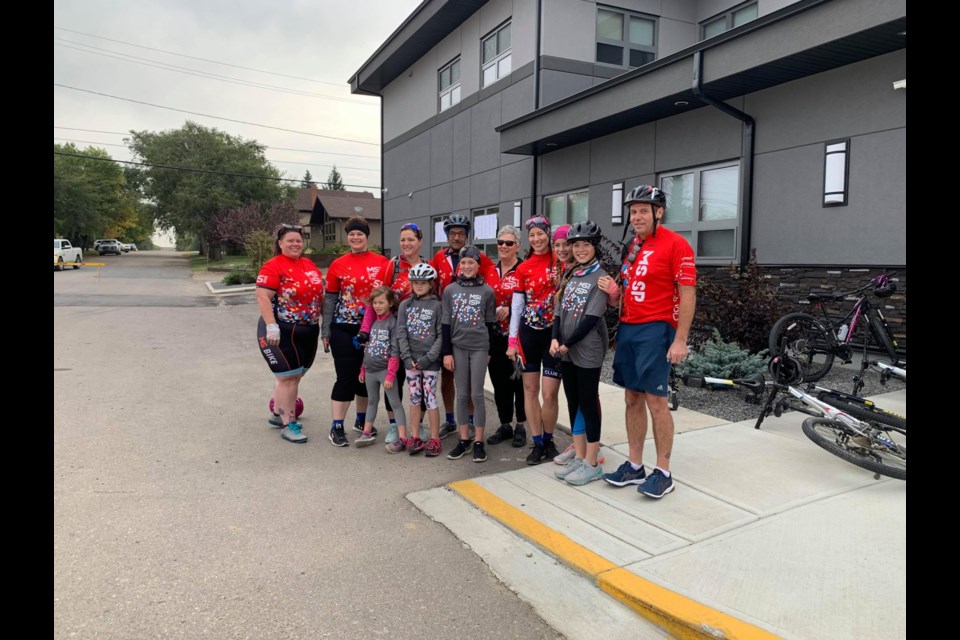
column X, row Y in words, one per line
column 765, row 535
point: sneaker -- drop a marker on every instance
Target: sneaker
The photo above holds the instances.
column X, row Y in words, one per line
column 424, row 432
column 536, row 454
column 657, row 485
column 625, row 475
column 292, row 433
column 434, row 447
column 358, row 427
column 463, row 446
column 585, row 473
column 504, row 432
column 396, row 446
column 562, row 472
column 392, row 434
column 479, row 455
column 550, row 450
column 275, row 421
column 519, row 437
column 338, row 437
column 365, row 440
column 416, row 446
column 569, row 455
column 447, row 428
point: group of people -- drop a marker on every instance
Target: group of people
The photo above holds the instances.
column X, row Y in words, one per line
column 535, row 324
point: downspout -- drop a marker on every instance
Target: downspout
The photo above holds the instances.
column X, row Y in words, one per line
column 536, row 105
column 383, row 200
column 746, row 154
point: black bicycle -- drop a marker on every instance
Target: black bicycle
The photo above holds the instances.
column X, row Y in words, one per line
column 815, row 342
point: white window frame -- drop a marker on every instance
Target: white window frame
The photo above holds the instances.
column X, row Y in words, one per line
column 451, row 91
column 727, row 17
column 624, row 43
column 692, row 229
column 566, row 205
column 500, row 56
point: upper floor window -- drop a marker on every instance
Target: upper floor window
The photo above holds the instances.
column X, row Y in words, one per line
column 496, row 55
column 449, row 79
column 567, row 208
column 724, row 22
column 625, row 39
column 703, row 206
column 485, row 225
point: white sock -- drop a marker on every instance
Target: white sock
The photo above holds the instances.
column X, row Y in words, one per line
column 663, row 471
column 636, row 467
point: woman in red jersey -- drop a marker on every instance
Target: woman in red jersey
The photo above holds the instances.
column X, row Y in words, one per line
column 289, row 289
column 350, row 280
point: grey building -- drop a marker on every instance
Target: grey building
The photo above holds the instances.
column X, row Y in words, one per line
column 773, row 125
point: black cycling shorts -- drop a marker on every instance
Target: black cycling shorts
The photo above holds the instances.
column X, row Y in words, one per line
column 296, row 351
column 535, row 344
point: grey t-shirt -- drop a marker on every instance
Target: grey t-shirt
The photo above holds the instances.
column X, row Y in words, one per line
column 468, row 309
column 418, row 332
column 582, row 297
column 382, row 345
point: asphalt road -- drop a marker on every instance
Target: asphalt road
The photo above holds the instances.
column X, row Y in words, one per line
column 179, row 513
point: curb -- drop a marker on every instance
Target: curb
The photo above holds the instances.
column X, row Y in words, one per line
column 243, row 288
column 678, row 614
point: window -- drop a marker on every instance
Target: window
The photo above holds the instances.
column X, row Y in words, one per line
column 625, row 39
column 496, row 55
column 703, row 207
column 729, row 20
column 567, row 208
column 836, row 171
column 330, row 231
column 449, row 79
column 486, row 223
column 439, row 235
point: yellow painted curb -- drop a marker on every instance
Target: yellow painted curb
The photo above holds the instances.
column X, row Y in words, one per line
column 681, row 616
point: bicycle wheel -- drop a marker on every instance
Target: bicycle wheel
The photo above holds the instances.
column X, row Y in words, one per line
column 863, row 411
column 807, row 340
column 875, row 451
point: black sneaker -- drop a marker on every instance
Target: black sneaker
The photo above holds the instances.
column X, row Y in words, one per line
column 519, row 437
column 338, row 437
column 463, row 446
column 536, row 454
column 447, row 428
column 479, row 455
column 505, row 432
column 550, row 450
column 358, row 427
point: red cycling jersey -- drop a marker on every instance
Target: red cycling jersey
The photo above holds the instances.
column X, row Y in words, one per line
column 441, row 262
column 396, row 275
column 298, row 285
column 354, row 276
column 504, row 293
column 537, row 279
column 651, row 283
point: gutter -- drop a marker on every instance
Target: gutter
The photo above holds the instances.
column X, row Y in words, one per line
column 746, row 154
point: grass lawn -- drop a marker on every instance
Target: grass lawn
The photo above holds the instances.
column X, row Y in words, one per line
column 200, row 263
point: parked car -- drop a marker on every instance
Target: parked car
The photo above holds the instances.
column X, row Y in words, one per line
column 64, row 253
column 133, row 246
column 109, row 246
column 126, row 247
column 96, row 243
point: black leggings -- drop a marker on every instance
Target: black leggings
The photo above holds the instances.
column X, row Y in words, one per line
column 507, row 392
column 582, row 388
column 347, row 360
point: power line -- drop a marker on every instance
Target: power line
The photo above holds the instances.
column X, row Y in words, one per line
column 189, row 169
column 332, row 153
column 309, row 164
column 207, row 115
column 183, row 55
column 123, row 57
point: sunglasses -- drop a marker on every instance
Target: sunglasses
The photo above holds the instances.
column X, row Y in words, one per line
column 412, row 227
column 291, row 227
column 538, row 220
column 506, row 243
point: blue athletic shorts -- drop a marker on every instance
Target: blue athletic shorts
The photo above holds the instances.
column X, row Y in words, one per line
column 640, row 363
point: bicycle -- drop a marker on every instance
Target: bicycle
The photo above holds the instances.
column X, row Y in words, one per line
column 816, row 343
column 851, row 428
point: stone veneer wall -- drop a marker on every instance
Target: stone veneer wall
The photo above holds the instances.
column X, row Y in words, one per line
column 794, row 283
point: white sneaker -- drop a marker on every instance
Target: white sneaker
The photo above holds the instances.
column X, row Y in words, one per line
column 566, row 457
column 565, row 471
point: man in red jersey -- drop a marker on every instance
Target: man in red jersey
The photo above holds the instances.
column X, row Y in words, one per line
column 659, row 280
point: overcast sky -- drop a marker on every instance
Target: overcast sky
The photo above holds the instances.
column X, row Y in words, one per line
column 320, row 41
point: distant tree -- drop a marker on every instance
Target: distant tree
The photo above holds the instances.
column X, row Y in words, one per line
column 231, row 227
column 334, row 181
column 307, row 180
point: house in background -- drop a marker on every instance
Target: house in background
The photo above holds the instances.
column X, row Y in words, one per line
column 324, row 214
column 774, row 125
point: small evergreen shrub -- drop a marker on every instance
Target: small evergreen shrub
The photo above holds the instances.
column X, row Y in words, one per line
column 719, row 359
column 240, row 277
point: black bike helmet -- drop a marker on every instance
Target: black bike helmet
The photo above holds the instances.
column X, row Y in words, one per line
column 883, row 286
column 457, row 220
column 585, row 230
column 646, row 193
column 786, row 369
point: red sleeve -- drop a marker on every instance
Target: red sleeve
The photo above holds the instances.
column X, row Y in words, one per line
column 333, row 277
column 269, row 276
column 386, row 273
column 684, row 264
column 489, row 272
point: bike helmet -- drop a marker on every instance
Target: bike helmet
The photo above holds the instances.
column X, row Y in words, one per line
column 421, row 272
column 646, row 193
column 585, row 230
column 785, row 369
column 883, row 286
column 457, row 220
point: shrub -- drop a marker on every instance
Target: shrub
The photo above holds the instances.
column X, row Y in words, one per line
column 719, row 359
column 259, row 246
column 240, row 277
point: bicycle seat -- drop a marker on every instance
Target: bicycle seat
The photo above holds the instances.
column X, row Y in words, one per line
column 754, row 383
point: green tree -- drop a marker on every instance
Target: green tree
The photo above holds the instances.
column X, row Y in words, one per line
column 307, row 180
column 334, row 181
column 188, row 200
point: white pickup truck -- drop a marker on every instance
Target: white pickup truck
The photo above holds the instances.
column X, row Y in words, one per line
column 64, row 253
